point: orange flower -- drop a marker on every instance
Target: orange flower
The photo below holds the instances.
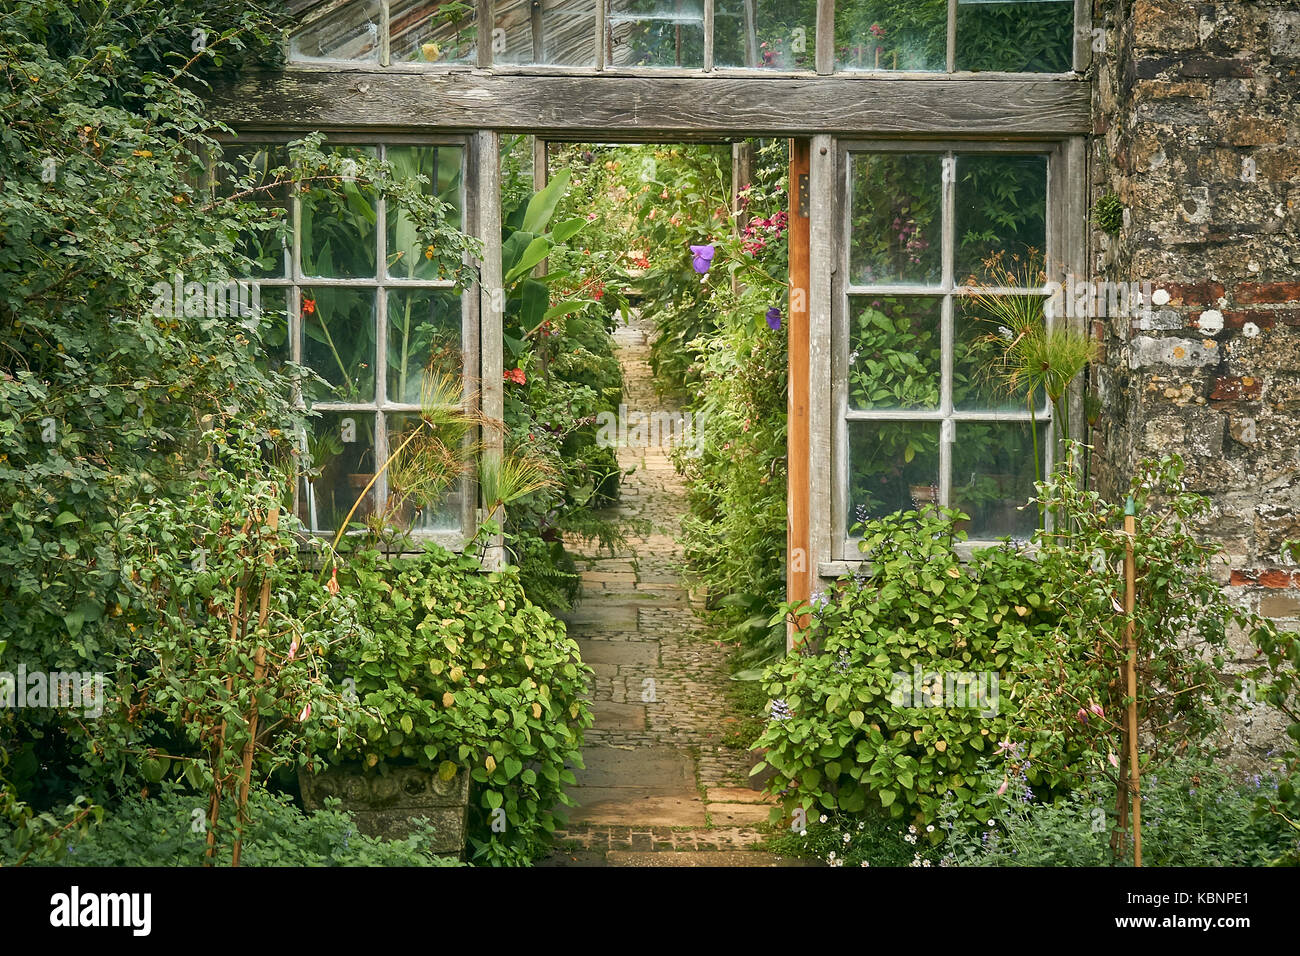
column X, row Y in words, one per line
column 308, row 306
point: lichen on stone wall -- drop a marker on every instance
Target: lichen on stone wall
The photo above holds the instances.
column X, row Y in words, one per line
column 1196, row 122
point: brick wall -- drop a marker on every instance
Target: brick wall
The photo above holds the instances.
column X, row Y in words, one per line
column 1197, row 129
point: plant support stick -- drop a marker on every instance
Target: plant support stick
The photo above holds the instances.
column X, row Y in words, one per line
column 1130, row 668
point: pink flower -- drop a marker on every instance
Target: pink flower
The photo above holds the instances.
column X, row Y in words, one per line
column 877, row 30
column 306, row 712
column 1081, row 715
column 1096, row 709
column 1002, row 789
column 293, row 649
column 1114, row 761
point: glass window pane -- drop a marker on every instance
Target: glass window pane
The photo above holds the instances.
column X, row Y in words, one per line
column 993, row 473
column 641, row 33
column 432, row 31
column 896, row 222
column 348, row 32
column 341, row 446
column 771, row 34
column 895, row 352
column 1001, row 209
column 994, row 345
column 425, row 482
column 339, row 225
column 267, row 247
column 424, row 335
column 441, row 165
column 271, row 343
column 559, row 32
column 1019, row 36
column 891, row 35
column 338, row 343
column 893, row 466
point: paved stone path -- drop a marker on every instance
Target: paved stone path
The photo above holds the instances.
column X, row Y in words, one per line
column 658, row 775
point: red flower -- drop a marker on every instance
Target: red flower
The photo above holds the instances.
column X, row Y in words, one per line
column 308, row 306
column 515, row 375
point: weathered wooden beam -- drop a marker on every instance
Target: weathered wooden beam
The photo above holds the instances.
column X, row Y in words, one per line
column 487, row 157
column 826, row 207
column 638, row 107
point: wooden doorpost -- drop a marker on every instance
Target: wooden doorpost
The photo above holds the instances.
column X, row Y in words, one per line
column 798, row 532
column 487, row 157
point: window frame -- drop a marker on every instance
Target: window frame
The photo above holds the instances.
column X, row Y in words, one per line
column 822, row 47
column 1064, row 202
column 295, row 281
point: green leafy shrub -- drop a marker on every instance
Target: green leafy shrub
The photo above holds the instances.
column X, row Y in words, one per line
column 114, row 183
column 226, row 664
column 166, row 829
column 846, row 732
column 1047, row 620
column 1194, row 813
column 456, row 669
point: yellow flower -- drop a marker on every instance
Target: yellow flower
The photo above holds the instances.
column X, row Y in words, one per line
column 142, row 153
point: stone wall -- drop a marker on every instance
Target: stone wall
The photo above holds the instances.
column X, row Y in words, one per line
column 1197, row 130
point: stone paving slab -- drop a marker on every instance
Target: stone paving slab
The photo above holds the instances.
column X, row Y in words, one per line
column 614, row 716
column 579, row 837
column 738, row 814
column 737, row 795
column 644, row 653
column 661, row 768
column 617, row 805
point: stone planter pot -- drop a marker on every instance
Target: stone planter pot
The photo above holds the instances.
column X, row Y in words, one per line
column 386, row 803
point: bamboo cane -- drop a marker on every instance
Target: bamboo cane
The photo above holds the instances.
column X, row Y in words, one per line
column 214, row 804
column 259, row 671
column 1130, row 667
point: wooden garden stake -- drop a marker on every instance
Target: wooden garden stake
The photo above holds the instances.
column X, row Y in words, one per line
column 214, row 806
column 259, row 671
column 1130, row 669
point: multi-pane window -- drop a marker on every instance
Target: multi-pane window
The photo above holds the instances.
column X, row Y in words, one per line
column 936, row 245
column 1015, row 36
column 1030, row 36
column 355, row 297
